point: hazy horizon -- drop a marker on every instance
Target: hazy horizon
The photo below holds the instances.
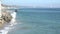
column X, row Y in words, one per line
column 34, row 3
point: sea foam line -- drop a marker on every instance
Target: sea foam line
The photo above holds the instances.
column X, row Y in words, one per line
column 9, row 27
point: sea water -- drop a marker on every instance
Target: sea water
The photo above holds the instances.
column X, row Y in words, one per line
column 37, row 21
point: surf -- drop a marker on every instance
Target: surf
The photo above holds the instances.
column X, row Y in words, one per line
column 10, row 26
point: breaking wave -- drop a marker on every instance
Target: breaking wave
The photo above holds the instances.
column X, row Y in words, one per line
column 8, row 27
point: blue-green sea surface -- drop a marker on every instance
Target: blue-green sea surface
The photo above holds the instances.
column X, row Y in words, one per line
column 35, row 21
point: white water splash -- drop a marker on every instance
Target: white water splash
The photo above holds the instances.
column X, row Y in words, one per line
column 10, row 26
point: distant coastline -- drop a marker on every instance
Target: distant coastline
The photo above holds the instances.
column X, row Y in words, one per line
column 27, row 7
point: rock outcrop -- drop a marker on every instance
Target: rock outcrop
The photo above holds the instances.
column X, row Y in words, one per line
column 5, row 18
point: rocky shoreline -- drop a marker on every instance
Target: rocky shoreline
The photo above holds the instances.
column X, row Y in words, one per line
column 5, row 18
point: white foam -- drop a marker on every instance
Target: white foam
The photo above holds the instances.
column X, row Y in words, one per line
column 9, row 27
column 4, row 32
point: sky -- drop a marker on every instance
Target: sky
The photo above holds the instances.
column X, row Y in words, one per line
column 34, row 3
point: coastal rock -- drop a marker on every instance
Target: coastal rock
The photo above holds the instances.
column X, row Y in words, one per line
column 5, row 18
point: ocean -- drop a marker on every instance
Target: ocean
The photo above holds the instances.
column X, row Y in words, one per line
column 37, row 21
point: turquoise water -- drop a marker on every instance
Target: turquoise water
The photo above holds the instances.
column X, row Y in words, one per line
column 33, row 21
